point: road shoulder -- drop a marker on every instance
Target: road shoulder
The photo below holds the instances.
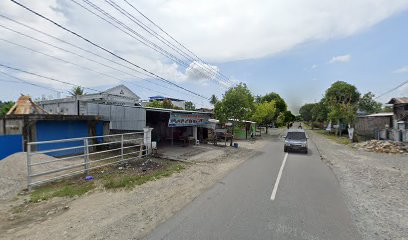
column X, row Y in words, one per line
column 133, row 214
column 374, row 186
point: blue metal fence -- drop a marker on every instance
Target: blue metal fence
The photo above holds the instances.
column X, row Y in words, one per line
column 53, row 130
column 10, row 144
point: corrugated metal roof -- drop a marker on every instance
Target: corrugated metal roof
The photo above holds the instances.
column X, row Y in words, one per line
column 25, row 105
column 163, row 98
column 402, row 100
column 245, row 121
column 385, row 114
column 173, row 110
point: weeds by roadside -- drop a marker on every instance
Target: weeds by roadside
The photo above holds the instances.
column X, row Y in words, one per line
column 125, row 181
column 54, row 198
column 61, row 189
column 127, row 175
column 337, row 139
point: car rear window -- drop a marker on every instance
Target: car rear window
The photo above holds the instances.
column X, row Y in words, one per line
column 296, row 135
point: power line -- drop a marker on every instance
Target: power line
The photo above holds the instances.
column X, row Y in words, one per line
column 164, row 41
column 42, row 76
column 162, row 30
column 73, row 45
column 78, row 55
column 137, row 36
column 62, row 60
column 144, row 41
column 57, row 80
column 392, row 89
column 103, row 48
column 27, row 82
column 45, row 77
column 77, row 65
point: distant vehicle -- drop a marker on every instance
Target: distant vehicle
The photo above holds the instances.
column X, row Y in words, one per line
column 295, row 140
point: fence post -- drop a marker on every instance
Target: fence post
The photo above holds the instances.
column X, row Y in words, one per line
column 121, row 148
column 86, row 156
column 29, row 167
column 147, row 139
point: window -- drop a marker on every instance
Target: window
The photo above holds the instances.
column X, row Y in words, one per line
column 296, row 135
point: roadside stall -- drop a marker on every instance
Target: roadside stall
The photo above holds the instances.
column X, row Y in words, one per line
column 178, row 126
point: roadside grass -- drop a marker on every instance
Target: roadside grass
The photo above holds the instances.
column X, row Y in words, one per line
column 337, row 139
column 110, row 177
column 61, row 189
column 118, row 180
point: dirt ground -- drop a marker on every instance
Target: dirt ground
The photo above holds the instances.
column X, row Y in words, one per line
column 375, row 186
column 13, row 169
column 124, row 214
column 13, row 172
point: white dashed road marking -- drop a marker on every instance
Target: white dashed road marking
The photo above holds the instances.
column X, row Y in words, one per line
column 275, row 188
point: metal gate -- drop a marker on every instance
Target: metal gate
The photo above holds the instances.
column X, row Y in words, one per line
column 48, row 161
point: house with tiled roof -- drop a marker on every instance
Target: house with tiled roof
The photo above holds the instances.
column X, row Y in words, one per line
column 400, row 110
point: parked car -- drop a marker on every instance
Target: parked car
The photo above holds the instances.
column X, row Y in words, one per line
column 295, row 140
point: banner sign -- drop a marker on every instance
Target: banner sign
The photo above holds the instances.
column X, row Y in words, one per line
column 187, row 119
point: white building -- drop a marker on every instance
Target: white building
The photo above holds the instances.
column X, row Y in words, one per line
column 119, row 105
column 76, row 105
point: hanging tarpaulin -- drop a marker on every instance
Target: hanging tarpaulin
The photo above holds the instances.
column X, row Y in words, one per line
column 187, row 119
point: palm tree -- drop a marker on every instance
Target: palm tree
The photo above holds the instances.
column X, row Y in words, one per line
column 75, row 91
column 213, row 99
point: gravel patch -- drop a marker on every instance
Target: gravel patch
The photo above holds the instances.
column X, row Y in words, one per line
column 13, row 172
column 375, row 186
column 132, row 214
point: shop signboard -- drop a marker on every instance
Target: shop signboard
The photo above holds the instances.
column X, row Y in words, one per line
column 187, row 119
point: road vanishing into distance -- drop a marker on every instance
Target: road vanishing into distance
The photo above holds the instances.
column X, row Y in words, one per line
column 273, row 195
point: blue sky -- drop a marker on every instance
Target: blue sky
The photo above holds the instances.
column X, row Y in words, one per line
column 303, row 73
column 295, row 48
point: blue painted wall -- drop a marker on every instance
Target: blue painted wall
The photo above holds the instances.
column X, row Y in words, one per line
column 10, row 144
column 99, row 132
column 54, row 130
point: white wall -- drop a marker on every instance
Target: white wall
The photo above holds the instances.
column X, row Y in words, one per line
column 181, row 104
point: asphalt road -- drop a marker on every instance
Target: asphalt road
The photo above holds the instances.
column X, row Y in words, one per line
column 308, row 203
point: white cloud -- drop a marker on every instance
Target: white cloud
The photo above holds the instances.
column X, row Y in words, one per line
column 217, row 31
column 240, row 29
column 401, row 70
column 314, row 66
column 340, row 59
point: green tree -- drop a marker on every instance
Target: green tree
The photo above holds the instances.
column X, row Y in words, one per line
column 237, row 103
column 368, row 105
column 387, row 109
column 5, row 107
column 167, row 104
column 342, row 101
column 190, row 106
column 320, row 112
column 213, row 99
column 281, row 105
column 155, row 104
column 289, row 117
column 264, row 113
column 163, row 104
column 76, row 91
column 284, row 118
column 280, row 120
column 306, row 112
